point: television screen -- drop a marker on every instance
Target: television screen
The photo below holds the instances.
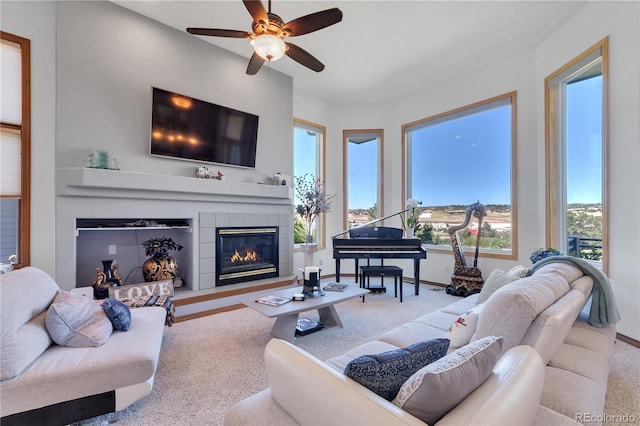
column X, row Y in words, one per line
column 190, row 129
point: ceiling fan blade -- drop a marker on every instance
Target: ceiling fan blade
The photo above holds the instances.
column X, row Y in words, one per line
column 313, row 22
column 257, row 11
column 219, row 33
column 255, row 63
column 303, row 57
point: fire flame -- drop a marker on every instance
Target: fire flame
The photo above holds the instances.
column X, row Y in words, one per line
column 248, row 257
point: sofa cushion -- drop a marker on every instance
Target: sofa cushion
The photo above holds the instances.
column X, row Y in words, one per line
column 26, row 295
column 385, row 373
column 461, row 330
column 519, row 271
column 76, row 321
column 431, row 392
column 118, row 313
column 496, row 280
column 511, row 309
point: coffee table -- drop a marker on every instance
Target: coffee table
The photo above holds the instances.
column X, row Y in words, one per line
column 287, row 315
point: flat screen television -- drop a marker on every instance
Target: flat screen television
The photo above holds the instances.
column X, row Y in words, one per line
column 190, row 129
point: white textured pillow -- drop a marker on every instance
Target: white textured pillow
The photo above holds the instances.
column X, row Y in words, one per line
column 464, row 327
column 435, row 389
column 76, row 321
column 519, row 271
column 497, row 279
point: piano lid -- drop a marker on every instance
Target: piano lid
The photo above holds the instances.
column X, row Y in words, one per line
column 378, row 232
column 366, row 226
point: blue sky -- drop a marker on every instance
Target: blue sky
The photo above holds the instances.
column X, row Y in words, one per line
column 467, row 160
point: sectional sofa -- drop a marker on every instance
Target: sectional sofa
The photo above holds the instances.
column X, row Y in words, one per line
column 47, row 383
column 551, row 369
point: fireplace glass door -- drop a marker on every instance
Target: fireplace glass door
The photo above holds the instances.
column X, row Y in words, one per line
column 246, row 254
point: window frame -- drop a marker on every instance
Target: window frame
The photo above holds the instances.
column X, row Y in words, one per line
column 321, row 171
column 345, row 172
column 552, row 145
column 24, row 129
column 513, row 102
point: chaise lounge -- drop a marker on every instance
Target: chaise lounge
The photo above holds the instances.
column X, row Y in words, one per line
column 47, row 383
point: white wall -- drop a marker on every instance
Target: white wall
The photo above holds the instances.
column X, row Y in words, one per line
column 36, row 21
column 108, row 59
column 524, row 73
column 621, row 22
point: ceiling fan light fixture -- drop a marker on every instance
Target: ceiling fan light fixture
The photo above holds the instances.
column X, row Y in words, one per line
column 269, row 47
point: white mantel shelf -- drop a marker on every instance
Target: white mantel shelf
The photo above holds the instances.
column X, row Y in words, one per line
column 87, row 182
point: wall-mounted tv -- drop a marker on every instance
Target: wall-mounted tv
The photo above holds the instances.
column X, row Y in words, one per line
column 190, row 129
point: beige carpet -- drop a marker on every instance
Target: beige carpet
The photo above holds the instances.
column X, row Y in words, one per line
column 210, row 363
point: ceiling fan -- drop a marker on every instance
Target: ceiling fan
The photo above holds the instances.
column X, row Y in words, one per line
column 269, row 31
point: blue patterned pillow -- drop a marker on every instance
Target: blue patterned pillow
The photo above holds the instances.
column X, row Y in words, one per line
column 118, row 313
column 385, row 373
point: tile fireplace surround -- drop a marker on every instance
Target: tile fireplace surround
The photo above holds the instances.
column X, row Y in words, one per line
column 206, row 204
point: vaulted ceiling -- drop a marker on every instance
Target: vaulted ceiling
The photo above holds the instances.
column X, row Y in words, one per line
column 382, row 50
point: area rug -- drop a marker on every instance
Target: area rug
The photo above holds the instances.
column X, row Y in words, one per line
column 210, row 363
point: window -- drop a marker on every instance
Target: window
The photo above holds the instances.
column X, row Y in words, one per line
column 363, row 169
column 15, row 149
column 576, row 147
column 457, row 158
column 308, row 159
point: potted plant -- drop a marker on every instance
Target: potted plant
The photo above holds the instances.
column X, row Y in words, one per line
column 313, row 201
column 160, row 266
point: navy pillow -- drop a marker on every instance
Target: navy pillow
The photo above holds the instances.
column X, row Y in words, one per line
column 118, row 313
column 385, row 373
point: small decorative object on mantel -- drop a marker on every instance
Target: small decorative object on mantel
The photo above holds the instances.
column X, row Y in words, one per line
column 313, row 201
column 107, row 277
column 204, row 173
column 160, row 266
column 99, row 159
column 413, row 215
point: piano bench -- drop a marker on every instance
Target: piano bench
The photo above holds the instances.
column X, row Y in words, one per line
column 366, row 272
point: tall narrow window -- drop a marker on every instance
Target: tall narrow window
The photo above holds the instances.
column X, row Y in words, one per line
column 308, row 159
column 14, row 149
column 363, row 169
column 575, row 156
column 461, row 157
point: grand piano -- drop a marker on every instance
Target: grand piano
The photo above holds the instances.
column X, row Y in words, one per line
column 369, row 242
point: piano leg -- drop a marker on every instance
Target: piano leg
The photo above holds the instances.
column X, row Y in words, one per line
column 357, row 270
column 416, row 275
column 338, row 270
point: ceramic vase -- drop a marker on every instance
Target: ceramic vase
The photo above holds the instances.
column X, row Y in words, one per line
column 159, row 268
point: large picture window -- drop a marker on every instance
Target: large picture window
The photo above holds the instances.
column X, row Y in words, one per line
column 308, row 160
column 15, row 142
column 363, row 169
column 575, row 99
column 457, row 158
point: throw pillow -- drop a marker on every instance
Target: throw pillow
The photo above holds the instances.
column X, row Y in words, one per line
column 435, row 389
column 385, row 373
column 464, row 327
column 519, row 271
column 496, row 280
column 118, row 313
column 76, row 321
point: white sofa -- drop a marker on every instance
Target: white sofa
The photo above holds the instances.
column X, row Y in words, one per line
column 553, row 370
column 61, row 384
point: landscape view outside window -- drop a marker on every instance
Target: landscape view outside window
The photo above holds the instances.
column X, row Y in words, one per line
column 457, row 159
column 584, row 168
column 307, row 145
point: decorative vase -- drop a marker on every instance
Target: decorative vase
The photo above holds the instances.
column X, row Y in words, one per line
column 110, row 275
column 409, row 232
column 308, row 239
column 159, row 268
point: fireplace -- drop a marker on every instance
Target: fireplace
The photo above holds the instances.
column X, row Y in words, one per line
column 246, row 254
